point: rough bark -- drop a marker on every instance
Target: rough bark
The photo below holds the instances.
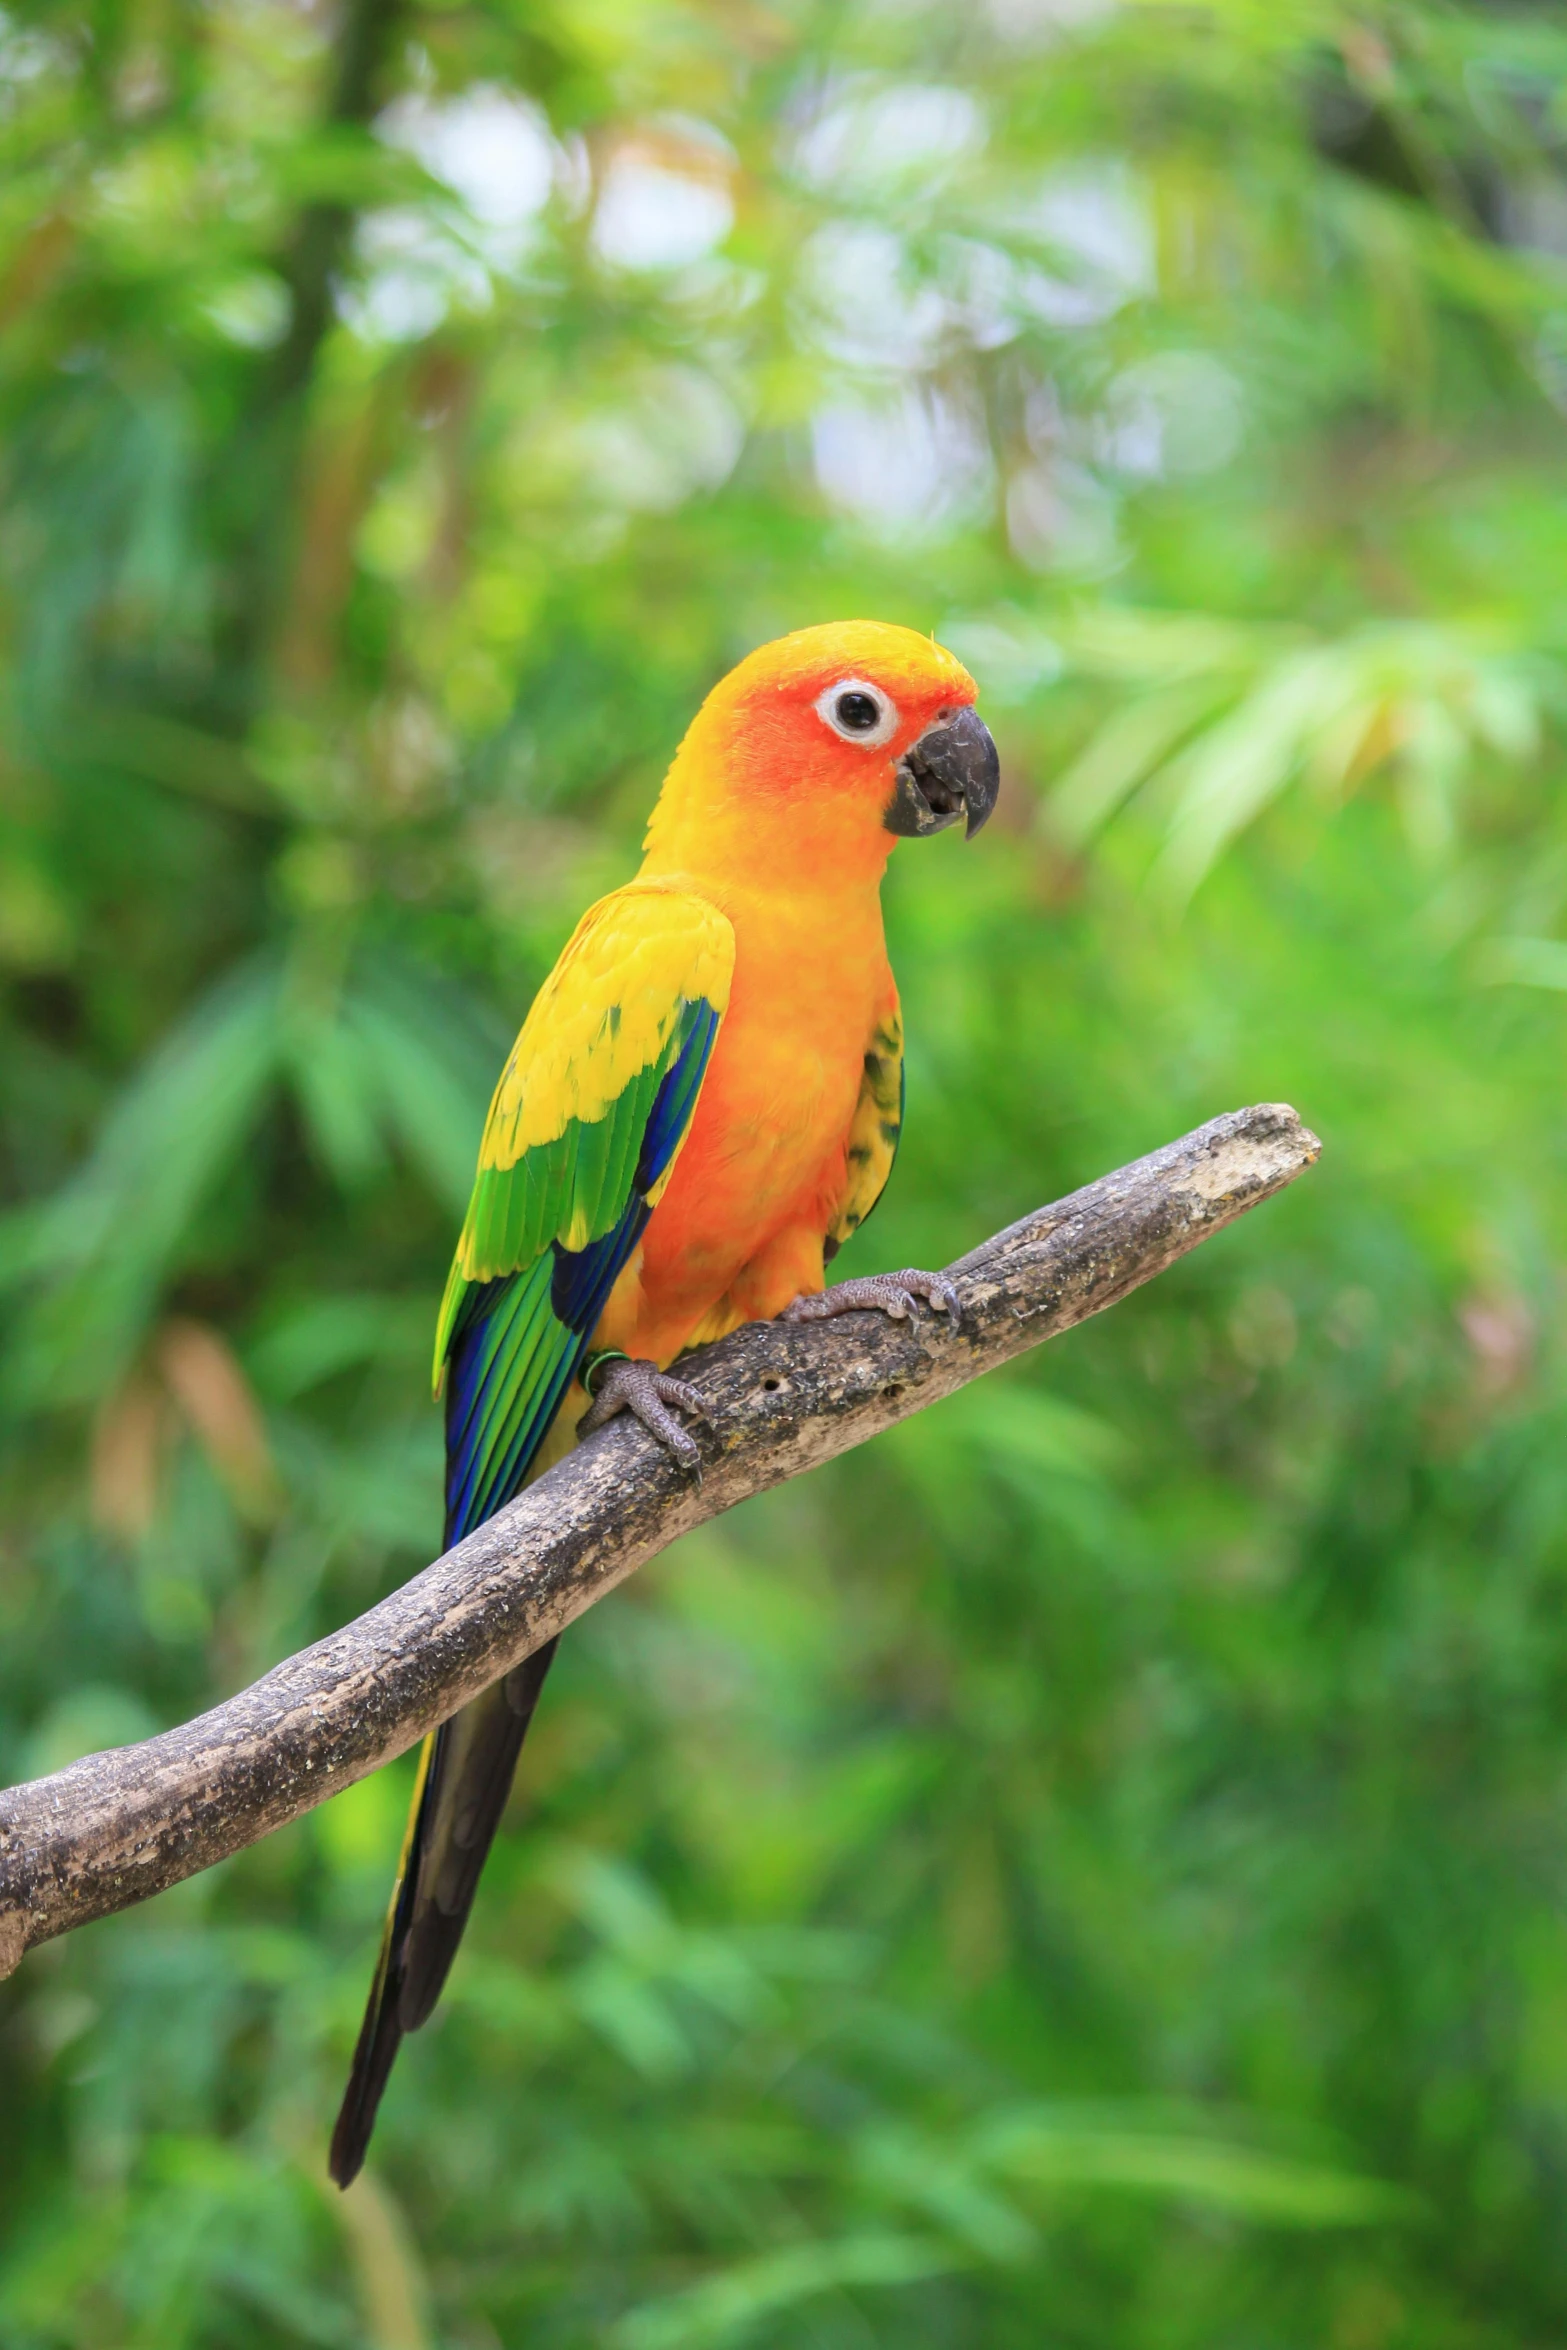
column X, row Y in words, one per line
column 116, row 1827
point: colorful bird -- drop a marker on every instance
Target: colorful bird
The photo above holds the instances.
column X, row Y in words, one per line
column 703, row 1105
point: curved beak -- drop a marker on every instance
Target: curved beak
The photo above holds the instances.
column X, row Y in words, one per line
column 952, row 770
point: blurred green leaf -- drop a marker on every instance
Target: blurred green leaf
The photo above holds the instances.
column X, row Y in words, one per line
column 727, row 2307
column 1055, row 2152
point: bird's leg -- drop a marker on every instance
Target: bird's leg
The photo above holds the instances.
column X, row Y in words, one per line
column 618, row 1384
column 879, row 1293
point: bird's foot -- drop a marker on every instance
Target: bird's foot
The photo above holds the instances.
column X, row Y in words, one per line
column 879, row 1293
column 641, row 1388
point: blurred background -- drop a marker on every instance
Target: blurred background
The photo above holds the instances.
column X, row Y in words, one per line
column 1091, row 1868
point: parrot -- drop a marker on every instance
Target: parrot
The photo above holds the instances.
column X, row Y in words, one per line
column 703, row 1104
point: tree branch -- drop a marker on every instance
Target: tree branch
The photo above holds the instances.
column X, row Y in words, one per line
column 116, row 1827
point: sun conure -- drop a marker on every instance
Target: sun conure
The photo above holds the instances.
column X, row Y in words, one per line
column 702, row 1106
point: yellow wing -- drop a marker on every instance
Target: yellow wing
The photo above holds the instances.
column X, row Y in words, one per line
column 639, row 988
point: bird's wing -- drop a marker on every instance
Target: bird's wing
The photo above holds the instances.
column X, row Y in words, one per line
column 587, row 1122
column 582, row 1137
column 874, row 1129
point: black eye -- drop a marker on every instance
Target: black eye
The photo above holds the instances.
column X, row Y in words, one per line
column 857, row 713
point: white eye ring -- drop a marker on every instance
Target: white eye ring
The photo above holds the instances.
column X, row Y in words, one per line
column 865, row 738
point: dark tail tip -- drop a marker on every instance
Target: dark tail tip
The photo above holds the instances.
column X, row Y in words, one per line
column 380, row 2037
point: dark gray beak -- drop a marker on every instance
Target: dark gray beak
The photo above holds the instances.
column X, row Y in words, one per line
column 951, row 771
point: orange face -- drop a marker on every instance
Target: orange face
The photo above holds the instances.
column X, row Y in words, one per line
column 818, row 751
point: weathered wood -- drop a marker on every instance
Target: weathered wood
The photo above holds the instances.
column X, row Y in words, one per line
column 116, row 1827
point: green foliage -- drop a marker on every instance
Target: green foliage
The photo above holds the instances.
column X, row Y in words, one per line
column 1089, row 1868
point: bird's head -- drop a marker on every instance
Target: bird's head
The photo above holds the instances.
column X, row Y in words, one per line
column 828, row 745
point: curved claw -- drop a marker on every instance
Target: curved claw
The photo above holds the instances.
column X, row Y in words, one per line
column 646, row 1392
column 880, row 1293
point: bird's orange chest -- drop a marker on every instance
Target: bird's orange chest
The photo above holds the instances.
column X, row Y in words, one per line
column 766, row 1146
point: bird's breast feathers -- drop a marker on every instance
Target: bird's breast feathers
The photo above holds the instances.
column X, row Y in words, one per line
column 768, row 1142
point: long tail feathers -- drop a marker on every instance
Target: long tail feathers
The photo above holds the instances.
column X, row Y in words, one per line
column 465, row 1776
